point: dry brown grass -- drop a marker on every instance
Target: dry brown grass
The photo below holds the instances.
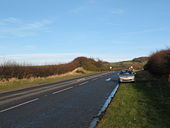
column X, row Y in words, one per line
column 159, row 63
column 15, row 83
column 74, row 72
column 13, row 70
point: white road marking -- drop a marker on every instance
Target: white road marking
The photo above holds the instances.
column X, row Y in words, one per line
column 83, row 83
column 108, row 79
column 62, row 90
column 19, row 105
column 95, row 79
column 103, row 108
column 81, row 79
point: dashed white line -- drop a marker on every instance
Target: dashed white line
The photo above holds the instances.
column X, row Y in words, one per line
column 84, row 83
column 19, row 105
column 62, row 90
column 81, row 79
column 108, row 79
column 95, row 79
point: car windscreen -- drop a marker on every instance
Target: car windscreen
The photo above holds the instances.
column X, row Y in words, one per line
column 125, row 72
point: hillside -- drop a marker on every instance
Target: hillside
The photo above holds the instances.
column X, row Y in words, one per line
column 91, row 64
column 137, row 63
column 13, row 70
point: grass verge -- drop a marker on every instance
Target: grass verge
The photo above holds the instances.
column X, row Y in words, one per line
column 15, row 84
column 144, row 104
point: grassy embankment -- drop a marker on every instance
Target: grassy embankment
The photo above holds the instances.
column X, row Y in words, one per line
column 14, row 83
column 137, row 63
column 143, row 104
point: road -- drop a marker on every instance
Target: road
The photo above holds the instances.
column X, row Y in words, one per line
column 67, row 104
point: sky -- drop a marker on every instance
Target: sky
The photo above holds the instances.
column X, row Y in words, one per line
column 57, row 31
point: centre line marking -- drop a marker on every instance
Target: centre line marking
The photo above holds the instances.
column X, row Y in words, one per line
column 19, row 105
column 62, row 90
column 95, row 79
column 83, row 83
column 81, row 79
column 108, row 79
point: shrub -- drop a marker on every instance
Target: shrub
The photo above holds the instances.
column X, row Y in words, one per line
column 159, row 63
column 13, row 70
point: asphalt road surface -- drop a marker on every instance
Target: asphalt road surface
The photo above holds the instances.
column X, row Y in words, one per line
column 67, row 104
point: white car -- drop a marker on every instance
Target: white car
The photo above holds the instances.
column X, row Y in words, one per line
column 126, row 76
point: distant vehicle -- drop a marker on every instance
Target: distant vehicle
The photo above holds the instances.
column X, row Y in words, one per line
column 131, row 68
column 126, row 76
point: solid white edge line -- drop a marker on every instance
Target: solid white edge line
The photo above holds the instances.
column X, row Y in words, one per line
column 84, row 83
column 62, row 90
column 95, row 121
column 27, row 102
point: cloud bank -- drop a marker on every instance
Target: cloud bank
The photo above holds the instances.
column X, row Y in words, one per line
column 13, row 27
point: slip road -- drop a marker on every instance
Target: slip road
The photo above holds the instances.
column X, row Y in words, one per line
column 67, row 104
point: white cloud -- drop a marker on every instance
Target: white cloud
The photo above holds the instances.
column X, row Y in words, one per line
column 29, row 47
column 113, row 24
column 44, row 58
column 56, row 58
column 83, row 8
column 78, row 9
column 43, row 55
column 41, row 59
column 119, row 42
column 10, row 20
column 149, row 30
column 92, row 1
column 12, row 27
column 118, row 11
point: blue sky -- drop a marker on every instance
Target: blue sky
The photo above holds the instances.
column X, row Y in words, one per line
column 56, row 31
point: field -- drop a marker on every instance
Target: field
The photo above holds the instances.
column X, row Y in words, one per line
column 137, row 63
column 144, row 104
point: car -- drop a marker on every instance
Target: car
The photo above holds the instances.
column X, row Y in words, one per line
column 126, row 75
